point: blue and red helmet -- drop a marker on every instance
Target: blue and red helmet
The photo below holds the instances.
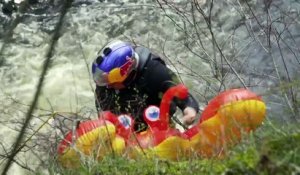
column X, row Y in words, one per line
column 114, row 63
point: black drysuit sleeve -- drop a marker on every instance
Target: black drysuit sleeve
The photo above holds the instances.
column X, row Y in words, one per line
column 159, row 79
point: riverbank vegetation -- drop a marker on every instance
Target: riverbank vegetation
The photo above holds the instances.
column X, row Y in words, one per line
column 272, row 149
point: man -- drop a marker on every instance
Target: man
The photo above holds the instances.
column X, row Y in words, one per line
column 129, row 78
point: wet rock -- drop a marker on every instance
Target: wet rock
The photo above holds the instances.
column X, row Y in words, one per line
column 9, row 7
column 32, row 2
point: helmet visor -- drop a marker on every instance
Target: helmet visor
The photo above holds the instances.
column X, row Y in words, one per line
column 116, row 75
column 100, row 77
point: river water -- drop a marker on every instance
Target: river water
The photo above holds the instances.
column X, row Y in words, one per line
column 250, row 56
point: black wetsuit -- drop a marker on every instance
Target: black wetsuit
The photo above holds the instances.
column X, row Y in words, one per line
column 152, row 79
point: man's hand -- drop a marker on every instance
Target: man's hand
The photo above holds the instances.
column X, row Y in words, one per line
column 189, row 115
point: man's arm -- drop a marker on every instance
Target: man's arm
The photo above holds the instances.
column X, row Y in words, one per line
column 161, row 79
